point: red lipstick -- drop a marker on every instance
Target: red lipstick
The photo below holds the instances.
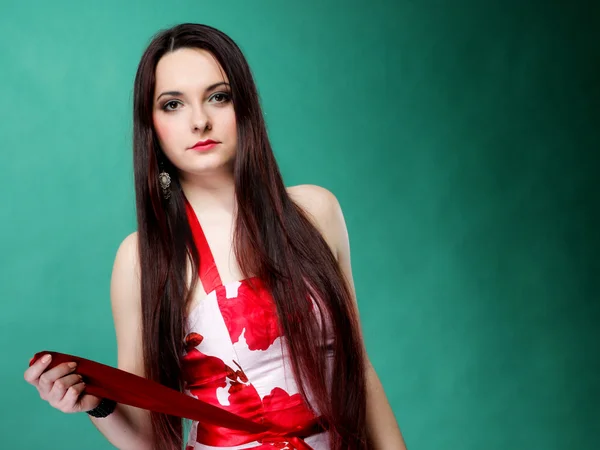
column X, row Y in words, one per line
column 204, row 145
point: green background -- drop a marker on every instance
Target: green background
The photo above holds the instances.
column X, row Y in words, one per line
column 461, row 139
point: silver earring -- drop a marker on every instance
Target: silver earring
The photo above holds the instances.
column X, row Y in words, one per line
column 165, row 183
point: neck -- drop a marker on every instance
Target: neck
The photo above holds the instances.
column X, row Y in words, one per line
column 210, row 192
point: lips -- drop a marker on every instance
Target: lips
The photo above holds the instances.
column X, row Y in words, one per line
column 204, row 144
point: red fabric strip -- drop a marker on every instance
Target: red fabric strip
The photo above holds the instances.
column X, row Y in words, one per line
column 129, row 389
column 209, row 274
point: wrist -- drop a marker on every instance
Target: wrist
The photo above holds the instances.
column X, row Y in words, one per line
column 104, row 409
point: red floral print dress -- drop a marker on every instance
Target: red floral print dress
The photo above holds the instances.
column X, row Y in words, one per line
column 235, row 358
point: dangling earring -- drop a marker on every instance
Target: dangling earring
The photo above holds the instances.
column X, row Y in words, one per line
column 164, row 180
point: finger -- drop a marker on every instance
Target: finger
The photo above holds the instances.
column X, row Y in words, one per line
column 48, row 378
column 32, row 374
column 70, row 401
column 60, row 387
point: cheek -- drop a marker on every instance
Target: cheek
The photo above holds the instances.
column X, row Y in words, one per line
column 160, row 128
column 164, row 130
column 232, row 127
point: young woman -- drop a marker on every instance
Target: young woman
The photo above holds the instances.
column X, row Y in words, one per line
column 234, row 289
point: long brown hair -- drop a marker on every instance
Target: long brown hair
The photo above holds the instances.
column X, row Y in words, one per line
column 273, row 239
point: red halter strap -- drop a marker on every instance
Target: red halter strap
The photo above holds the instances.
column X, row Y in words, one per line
column 208, row 272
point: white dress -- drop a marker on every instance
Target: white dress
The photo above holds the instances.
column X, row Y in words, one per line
column 236, row 359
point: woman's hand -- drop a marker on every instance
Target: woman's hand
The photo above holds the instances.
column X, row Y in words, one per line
column 60, row 386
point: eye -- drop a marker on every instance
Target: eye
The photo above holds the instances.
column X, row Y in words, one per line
column 171, row 102
column 221, row 97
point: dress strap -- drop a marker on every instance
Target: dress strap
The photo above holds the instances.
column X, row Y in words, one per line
column 208, row 272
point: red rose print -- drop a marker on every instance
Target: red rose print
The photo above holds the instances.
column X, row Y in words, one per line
column 253, row 313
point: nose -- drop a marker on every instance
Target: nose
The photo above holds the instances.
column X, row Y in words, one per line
column 200, row 120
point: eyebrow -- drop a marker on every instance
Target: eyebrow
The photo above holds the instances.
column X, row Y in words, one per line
column 209, row 88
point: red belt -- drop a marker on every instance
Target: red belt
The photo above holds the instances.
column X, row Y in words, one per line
column 123, row 387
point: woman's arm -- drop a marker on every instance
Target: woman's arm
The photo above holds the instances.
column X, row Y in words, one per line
column 382, row 426
column 127, row 427
column 326, row 214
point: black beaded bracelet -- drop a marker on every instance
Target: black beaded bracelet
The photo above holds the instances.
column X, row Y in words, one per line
column 104, row 408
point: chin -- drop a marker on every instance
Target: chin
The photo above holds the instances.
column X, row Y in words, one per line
column 210, row 165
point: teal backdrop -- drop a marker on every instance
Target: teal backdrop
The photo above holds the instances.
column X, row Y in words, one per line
column 461, row 139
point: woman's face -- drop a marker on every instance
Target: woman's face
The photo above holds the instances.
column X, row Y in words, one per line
column 196, row 107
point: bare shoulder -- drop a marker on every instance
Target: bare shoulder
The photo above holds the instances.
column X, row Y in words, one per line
column 127, row 253
column 125, row 273
column 316, row 199
column 126, row 265
column 128, row 246
column 323, row 208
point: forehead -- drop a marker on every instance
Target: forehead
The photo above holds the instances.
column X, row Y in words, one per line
column 188, row 69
